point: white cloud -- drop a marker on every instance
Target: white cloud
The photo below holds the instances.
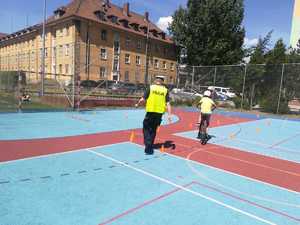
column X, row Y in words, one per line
column 163, row 22
column 250, row 42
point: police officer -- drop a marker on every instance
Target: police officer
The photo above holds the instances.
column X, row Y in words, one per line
column 157, row 98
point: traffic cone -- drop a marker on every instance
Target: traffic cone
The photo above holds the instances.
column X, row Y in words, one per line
column 162, row 148
column 132, row 136
column 158, row 129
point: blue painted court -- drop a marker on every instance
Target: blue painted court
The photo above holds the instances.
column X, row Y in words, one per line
column 118, row 184
column 18, row 126
column 271, row 137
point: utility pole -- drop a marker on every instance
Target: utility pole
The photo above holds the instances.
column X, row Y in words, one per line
column 147, row 52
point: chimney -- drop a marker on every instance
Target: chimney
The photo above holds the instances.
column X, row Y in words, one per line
column 126, row 9
column 147, row 16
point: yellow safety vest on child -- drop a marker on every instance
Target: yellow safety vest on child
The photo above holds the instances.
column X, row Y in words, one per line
column 206, row 105
column 156, row 102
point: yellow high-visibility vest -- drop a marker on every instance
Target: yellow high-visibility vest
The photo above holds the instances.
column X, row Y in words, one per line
column 156, row 101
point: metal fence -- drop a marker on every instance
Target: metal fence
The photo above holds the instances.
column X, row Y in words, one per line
column 268, row 88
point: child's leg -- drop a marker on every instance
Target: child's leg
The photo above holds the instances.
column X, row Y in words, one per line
column 199, row 118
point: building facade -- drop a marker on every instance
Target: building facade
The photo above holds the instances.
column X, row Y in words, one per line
column 93, row 40
column 295, row 33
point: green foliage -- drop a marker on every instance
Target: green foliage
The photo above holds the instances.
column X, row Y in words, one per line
column 211, row 31
column 238, row 101
column 270, row 104
column 8, row 80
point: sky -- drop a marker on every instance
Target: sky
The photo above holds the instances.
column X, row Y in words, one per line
column 261, row 16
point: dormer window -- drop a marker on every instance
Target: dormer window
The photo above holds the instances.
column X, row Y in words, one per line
column 59, row 12
column 163, row 35
column 100, row 15
column 135, row 26
column 144, row 29
column 113, row 18
column 124, row 22
column 154, row 32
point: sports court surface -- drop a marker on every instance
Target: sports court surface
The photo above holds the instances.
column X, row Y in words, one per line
column 87, row 168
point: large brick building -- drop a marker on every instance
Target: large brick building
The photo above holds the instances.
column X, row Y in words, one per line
column 94, row 39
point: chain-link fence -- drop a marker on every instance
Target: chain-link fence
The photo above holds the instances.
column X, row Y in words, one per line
column 268, row 88
column 75, row 76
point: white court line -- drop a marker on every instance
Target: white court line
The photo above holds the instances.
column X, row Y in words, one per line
column 128, row 142
column 225, row 171
column 183, row 188
column 268, row 147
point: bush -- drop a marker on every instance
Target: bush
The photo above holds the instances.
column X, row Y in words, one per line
column 269, row 104
column 238, row 100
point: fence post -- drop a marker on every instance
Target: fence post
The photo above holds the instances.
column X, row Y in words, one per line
column 193, row 77
column 244, row 83
column 280, row 87
column 215, row 76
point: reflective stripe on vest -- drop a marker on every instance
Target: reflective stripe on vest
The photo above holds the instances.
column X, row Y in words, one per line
column 156, row 101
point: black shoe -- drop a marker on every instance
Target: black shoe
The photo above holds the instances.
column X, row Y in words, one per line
column 149, row 153
column 200, row 136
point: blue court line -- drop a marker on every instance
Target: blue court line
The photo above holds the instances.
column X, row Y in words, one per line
column 93, row 196
column 245, row 115
column 270, row 137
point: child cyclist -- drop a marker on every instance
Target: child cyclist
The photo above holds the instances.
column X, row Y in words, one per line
column 207, row 105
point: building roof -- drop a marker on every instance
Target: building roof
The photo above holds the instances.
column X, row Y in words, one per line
column 90, row 9
column 2, row 35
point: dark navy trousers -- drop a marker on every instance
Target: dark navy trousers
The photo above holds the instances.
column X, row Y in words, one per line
column 151, row 122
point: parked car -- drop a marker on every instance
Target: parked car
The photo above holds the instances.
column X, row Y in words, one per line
column 88, row 84
column 223, row 91
column 123, row 88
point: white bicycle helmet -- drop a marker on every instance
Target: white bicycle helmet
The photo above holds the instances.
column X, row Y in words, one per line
column 207, row 93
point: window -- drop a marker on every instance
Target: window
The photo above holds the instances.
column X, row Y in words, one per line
column 156, row 64
column 103, row 35
column 67, row 69
column 54, row 69
column 139, row 44
column 172, row 66
column 60, row 50
column 102, row 72
column 164, row 65
column 67, row 31
column 100, row 15
column 138, row 60
column 127, row 41
column 127, row 58
column 103, row 53
column 60, row 68
column 114, row 19
column 126, row 76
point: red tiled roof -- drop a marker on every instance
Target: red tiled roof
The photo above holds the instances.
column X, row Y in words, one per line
column 86, row 9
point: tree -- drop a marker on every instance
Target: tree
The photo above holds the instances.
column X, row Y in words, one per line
column 275, row 59
column 256, row 70
column 211, row 31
